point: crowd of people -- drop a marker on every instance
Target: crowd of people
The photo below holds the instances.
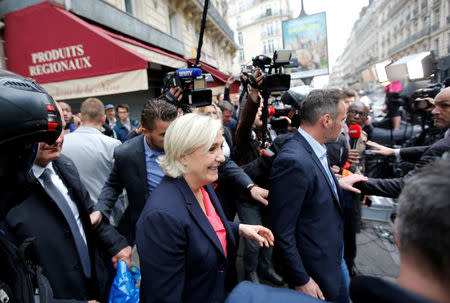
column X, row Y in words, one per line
column 80, row 191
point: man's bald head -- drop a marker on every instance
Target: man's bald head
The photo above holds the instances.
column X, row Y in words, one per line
column 441, row 111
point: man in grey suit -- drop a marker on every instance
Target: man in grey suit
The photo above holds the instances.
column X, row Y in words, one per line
column 91, row 151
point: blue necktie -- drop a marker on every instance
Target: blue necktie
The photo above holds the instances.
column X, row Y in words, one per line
column 63, row 205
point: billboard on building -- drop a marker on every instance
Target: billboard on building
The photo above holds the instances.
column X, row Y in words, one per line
column 307, row 38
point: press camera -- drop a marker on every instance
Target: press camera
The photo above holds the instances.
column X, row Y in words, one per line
column 193, row 85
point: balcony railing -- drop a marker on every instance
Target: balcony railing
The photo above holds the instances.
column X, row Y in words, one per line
column 416, row 36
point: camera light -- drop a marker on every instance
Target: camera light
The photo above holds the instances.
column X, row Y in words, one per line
column 381, row 72
column 282, row 56
column 415, row 66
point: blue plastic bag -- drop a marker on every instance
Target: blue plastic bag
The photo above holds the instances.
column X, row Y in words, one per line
column 125, row 287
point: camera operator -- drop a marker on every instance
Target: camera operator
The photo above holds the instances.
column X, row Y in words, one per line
column 422, row 154
column 248, row 148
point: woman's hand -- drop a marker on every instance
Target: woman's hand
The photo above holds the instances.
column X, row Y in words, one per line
column 257, row 232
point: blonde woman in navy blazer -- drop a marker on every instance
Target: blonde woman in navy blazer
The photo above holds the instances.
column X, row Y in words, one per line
column 183, row 257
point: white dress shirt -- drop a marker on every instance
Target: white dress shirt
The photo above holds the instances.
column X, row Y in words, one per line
column 38, row 171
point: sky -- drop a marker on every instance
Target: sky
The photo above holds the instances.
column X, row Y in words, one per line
column 341, row 15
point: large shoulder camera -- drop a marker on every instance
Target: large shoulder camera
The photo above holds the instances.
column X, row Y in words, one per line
column 419, row 96
column 193, row 84
column 274, row 80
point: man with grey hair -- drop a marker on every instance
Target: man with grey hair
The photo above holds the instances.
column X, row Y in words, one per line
column 422, row 232
column 305, row 201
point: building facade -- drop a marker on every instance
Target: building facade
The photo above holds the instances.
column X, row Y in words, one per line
column 391, row 29
column 257, row 25
column 161, row 33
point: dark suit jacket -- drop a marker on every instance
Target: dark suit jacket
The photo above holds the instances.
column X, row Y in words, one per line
column 306, row 218
column 413, row 153
column 54, row 249
column 181, row 257
column 393, row 187
column 130, row 172
column 365, row 289
column 248, row 292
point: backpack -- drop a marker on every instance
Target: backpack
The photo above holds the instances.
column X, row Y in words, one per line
column 20, row 280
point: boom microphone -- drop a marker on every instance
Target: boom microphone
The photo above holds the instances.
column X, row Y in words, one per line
column 354, row 132
column 190, row 73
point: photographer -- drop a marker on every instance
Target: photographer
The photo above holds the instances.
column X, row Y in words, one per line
column 249, row 146
column 423, row 155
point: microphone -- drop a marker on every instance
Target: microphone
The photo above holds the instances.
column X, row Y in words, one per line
column 354, row 132
column 190, row 73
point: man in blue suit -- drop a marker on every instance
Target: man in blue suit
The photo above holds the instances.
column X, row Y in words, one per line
column 306, row 214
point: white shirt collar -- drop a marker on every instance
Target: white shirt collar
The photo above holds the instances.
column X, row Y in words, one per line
column 319, row 149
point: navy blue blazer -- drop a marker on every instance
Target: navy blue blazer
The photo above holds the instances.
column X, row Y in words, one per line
column 180, row 254
column 248, row 292
column 306, row 217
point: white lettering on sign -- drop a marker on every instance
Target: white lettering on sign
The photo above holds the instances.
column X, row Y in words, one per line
column 59, row 60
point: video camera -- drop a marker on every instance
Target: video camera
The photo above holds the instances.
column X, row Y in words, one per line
column 282, row 107
column 275, row 81
column 193, row 84
column 276, row 111
column 420, row 95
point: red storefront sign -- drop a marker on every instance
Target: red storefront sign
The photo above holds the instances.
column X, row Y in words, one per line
column 50, row 44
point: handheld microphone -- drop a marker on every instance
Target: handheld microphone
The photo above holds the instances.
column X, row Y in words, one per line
column 354, row 132
column 190, row 73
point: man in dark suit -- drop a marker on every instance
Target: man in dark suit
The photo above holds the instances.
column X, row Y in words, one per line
column 305, row 201
column 56, row 214
column 421, row 155
column 136, row 170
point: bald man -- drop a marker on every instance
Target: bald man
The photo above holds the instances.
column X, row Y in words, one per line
column 421, row 155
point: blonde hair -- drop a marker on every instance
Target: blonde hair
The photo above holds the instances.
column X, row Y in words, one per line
column 202, row 110
column 186, row 134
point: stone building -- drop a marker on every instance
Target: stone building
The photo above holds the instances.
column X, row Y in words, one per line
column 258, row 27
column 117, row 37
column 392, row 29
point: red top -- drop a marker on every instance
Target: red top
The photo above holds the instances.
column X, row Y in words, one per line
column 215, row 220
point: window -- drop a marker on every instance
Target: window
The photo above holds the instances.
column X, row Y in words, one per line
column 267, row 10
column 173, row 19
column 240, row 39
column 436, row 47
column 128, row 5
column 239, row 21
column 241, row 55
column 270, row 29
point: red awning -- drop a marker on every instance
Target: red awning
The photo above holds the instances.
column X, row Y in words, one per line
column 72, row 58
